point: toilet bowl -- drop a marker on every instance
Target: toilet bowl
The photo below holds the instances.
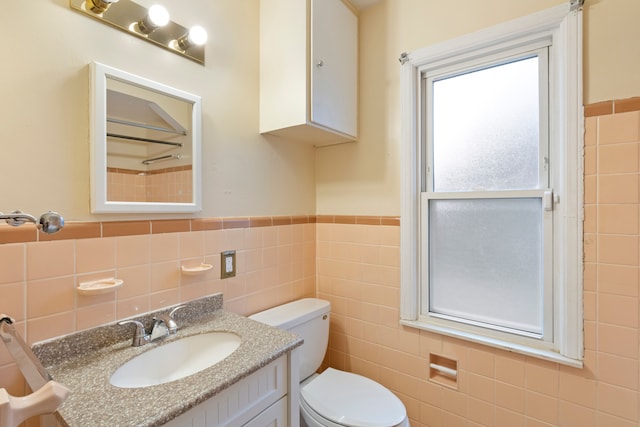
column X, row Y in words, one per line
column 333, row 398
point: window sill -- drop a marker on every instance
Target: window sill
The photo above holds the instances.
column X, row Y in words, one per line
column 496, row 343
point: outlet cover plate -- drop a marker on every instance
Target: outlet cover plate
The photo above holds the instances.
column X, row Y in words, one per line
column 227, row 264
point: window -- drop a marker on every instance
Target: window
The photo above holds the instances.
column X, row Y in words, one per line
column 491, row 234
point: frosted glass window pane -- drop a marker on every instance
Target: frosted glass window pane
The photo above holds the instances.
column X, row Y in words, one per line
column 486, row 129
column 486, row 262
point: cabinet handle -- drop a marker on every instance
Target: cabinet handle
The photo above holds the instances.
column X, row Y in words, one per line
column 320, row 63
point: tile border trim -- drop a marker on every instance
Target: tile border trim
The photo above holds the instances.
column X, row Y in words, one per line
column 612, row 107
column 99, row 229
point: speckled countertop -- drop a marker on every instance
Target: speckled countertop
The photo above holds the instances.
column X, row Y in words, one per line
column 84, row 361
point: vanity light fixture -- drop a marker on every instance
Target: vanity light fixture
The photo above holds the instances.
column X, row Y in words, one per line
column 99, row 6
column 152, row 24
column 197, row 36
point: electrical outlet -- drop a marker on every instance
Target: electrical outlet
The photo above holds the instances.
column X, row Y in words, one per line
column 227, row 264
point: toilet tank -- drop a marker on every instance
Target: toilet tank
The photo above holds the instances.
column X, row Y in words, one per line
column 308, row 318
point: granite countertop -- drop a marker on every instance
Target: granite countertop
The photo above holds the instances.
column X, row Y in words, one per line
column 83, row 362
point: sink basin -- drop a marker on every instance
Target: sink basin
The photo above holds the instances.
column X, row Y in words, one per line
column 175, row 360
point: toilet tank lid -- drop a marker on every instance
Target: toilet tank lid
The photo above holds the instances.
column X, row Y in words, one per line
column 294, row 313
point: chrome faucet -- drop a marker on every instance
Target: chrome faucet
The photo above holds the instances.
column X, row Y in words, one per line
column 164, row 324
column 140, row 337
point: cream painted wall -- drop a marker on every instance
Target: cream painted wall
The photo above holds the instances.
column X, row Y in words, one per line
column 44, row 109
column 363, row 178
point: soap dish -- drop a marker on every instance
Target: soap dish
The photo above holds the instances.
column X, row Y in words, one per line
column 192, row 271
column 101, row 286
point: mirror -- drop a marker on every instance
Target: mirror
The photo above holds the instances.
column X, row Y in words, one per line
column 145, row 150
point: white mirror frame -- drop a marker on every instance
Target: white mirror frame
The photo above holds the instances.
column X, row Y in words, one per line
column 98, row 153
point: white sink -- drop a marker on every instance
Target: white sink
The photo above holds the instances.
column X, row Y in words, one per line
column 175, row 360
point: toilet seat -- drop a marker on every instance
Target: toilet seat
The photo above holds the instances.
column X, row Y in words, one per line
column 347, row 399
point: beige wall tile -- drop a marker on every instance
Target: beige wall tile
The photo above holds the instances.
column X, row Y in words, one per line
column 617, row 219
column 95, row 255
column 480, row 412
column 618, row 371
column 12, row 379
column 132, row 306
column 618, row 340
column 42, row 328
column 618, row 158
column 165, row 276
column 98, row 314
column 13, row 298
column 164, row 298
column 132, row 250
column 618, row 249
column 542, row 377
column 621, row 188
column 616, row 128
column 574, row 387
column 137, row 281
column 591, row 131
column 50, row 296
column 50, row 259
column 571, row 414
column 604, row 419
column 618, row 401
column 191, row 245
column 618, row 310
column 590, row 189
column 618, row 279
column 590, row 160
column 590, row 218
column 482, row 362
column 506, row 418
column 510, row 397
column 164, row 247
column 541, row 407
column 12, row 263
column 590, row 276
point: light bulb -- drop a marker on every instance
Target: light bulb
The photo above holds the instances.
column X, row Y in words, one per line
column 157, row 16
column 197, row 36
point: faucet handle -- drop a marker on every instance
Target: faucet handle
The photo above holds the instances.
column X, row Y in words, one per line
column 140, row 337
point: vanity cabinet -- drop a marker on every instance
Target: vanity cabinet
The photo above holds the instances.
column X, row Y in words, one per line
column 309, row 70
column 258, row 400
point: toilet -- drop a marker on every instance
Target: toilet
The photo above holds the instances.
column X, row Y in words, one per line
column 333, row 398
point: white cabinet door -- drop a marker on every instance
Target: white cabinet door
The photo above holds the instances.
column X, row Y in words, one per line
column 273, row 416
column 309, row 70
column 242, row 402
column 334, row 66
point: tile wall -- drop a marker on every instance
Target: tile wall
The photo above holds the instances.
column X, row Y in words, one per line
column 357, row 270
column 275, row 260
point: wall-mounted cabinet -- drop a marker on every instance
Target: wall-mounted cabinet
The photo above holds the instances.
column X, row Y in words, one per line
column 309, row 70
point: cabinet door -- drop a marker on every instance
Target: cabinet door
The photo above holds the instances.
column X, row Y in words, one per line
column 334, row 67
column 274, row 416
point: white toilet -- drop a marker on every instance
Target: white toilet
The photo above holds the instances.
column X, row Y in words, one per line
column 333, row 398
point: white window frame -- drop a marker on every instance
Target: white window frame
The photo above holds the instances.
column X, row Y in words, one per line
column 561, row 28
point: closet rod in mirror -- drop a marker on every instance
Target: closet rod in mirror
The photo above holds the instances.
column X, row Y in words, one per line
column 145, row 126
column 137, row 138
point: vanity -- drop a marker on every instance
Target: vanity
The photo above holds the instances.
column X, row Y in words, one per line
column 256, row 385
